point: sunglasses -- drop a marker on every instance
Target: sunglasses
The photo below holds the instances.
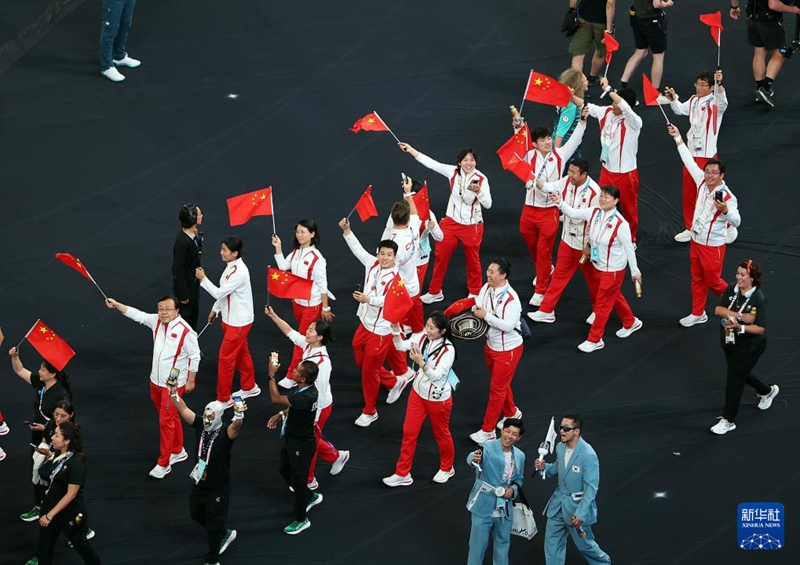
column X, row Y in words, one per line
column 567, row 428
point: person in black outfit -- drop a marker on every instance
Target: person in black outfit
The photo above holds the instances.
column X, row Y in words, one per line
column 64, row 508
column 743, row 312
column 210, row 495
column 299, row 443
column 51, row 386
column 186, row 257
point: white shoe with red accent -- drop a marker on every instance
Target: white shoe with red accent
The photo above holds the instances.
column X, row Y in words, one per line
column 429, row 298
column 341, row 461
column 442, row 477
column 589, row 346
column 481, row 437
column 626, row 332
column 545, row 317
column 517, row 414
column 287, row 383
column 366, row 419
column 159, row 472
column 398, row 480
column 178, row 457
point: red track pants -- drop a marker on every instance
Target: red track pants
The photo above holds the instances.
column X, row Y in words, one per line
column 609, row 297
column 234, row 353
column 169, row 423
column 416, row 411
column 628, row 185
column 370, row 351
column 470, row 237
column 567, row 262
column 539, row 228
column 502, row 366
column 706, row 262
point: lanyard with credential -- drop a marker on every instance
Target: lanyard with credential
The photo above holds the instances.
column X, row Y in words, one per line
column 499, row 299
column 210, row 445
column 41, row 399
column 595, row 235
column 747, row 295
column 60, row 460
column 576, row 196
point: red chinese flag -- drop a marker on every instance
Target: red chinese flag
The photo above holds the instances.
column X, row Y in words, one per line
column 611, row 45
column 54, row 349
column 651, row 93
column 365, row 206
column 714, row 22
column 242, row 208
column 370, row 122
column 512, row 154
column 546, row 90
column 76, row 264
column 283, row 284
column 423, row 203
column 397, row 303
column 459, row 306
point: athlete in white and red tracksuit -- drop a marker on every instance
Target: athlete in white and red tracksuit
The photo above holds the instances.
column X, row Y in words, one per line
column 619, row 143
column 428, row 230
column 373, row 339
column 469, row 194
column 313, row 348
column 498, row 304
column 716, row 206
column 538, row 222
column 306, row 262
column 432, row 355
column 579, row 191
column 174, row 347
column 611, row 251
column 705, row 110
column 234, row 300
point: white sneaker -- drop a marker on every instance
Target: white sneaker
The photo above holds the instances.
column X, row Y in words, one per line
column 442, row 477
column 397, row 390
column 692, row 320
column 589, row 346
column 481, row 437
column 625, row 332
column 545, row 317
column 287, row 383
column 429, row 298
column 552, row 268
column 590, row 319
column 683, row 237
column 341, row 461
column 536, row 299
column 517, row 414
column 159, row 472
column 366, row 419
column 230, row 536
column 723, row 427
column 313, row 485
column 2, row 454
column 4, row 429
column 113, row 74
column 178, row 457
column 731, row 233
column 398, row 481
column 127, row 62
column 255, row 391
column 766, row 400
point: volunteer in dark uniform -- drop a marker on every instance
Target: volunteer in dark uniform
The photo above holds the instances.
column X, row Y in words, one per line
column 742, row 309
column 51, row 387
column 211, row 493
column 186, row 257
column 299, row 443
column 63, row 507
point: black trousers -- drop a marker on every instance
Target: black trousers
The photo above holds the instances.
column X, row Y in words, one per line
column 75, row 532
column 740, row 366
column 191, row 312
column 209, row 508
column 296, row 458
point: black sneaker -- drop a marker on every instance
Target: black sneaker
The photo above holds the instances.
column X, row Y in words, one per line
column 765, row 95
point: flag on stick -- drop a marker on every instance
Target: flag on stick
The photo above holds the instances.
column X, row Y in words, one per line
column 512, row 154
column 549, row 443
column 398, row 302
column 611, row 45
column 423, row 203
column 370, row 122
column 459, row 306
column 651, row 95
column 365, row 206
column 547, row 90
column 283, row 284
column 55, row 350
column 242, row 208
column 714, row 22
column 76, row 264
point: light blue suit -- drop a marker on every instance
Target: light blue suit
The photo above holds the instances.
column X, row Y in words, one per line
column 482, row 502
column 578, row 482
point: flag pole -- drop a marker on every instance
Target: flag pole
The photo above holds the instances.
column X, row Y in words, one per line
column 387, row 129
column 98, row 288
column 27, row 334
column 268, row 268
column 719, row 44
column 521, row 104
column 663, row 113
column 272, row 207
column 204, row 329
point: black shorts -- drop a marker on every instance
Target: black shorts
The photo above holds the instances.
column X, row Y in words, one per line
column 650, row 33
column 768, row 35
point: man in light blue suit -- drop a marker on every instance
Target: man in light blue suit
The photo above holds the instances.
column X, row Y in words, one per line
column 499, row 470
column 572, row 507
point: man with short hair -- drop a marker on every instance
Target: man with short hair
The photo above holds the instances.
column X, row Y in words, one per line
column 649, row 25
column 572, row 507
column 234, row 300
column 176, row 358
column 580, row 191
column 766, row 34
column 619, row 144
column 499, row 306
column 187, row 252
column 117, row 20
column 705, row 109
column 596, row 16
column 716, row 206
column 373, row 339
